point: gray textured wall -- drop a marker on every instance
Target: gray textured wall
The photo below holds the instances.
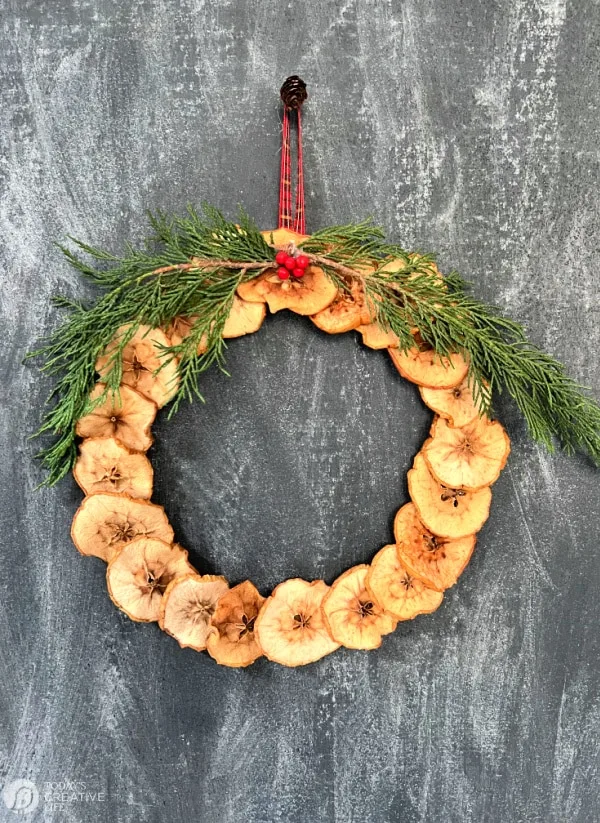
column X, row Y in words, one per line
column 470, row 128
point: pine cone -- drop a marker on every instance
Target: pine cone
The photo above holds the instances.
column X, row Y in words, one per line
column 293, row 92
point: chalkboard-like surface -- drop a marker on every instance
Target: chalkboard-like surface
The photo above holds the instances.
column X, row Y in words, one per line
column 469, row 128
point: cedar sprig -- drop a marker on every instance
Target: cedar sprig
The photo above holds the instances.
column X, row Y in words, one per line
column 192, row 266
column 449, row 319
column 134, row 294
column 500, row 356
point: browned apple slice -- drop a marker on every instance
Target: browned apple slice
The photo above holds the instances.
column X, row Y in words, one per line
column 105, row 465
column 104, row 523
column 180, row 328
column 144, row 369
column 456, row 405
column 347, row 311
column 375, row 337
column 187, row 608
column 446, row 511
column 426, row 368
column 306, row 295
column 244, row 318
column 279, row 238
column 233, row 641
column 126, row 415
column 439, row 561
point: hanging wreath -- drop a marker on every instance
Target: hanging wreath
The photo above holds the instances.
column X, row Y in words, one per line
column 163, row 317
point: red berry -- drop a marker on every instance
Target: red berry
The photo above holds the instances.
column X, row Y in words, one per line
column 290, row 262
column 282, row 273
column 302, row 261
column 298, row 272
column 280, row 257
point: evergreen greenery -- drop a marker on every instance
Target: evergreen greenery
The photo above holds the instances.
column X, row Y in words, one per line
column 192, row 267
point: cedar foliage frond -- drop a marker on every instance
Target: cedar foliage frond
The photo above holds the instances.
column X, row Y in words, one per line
column 189, row 267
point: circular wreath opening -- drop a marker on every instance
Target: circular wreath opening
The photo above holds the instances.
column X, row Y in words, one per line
column 289, row 478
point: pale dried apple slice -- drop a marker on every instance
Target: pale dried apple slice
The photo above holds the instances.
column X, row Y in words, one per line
column 375, row 337
column 139, row 574
column 346, row 313
column 244, row 318
column 105, row 465
column 426, row 368
column 104, row 523
column 279, row 238
column 397, row 590
column 144, row 369
column 456, row 405
column 305, row 295
column 233, row 641
column 126, row 415
column 446, row 511
column 438, row 561
column 290, row 627
column 187, row 607
column 469, row 457
column 397, row 264
column 352, row 616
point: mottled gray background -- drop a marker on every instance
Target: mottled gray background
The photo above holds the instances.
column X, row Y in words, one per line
column 470, row 128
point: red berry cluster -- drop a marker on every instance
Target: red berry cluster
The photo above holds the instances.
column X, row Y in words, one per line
column 288, row 264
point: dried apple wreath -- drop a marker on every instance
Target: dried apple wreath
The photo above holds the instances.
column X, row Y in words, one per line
column 162, row 319
column 150, row 577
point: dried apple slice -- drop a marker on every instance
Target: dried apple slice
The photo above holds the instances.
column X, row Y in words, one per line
column 141, row 357
column 397, row 264
column 187, row 607
column 347, row 312
column 139, row 574
column 426, row 368
column 233, row 641
column 306, row 295
column 438, row 561
column 244, row 318
column 375, row 337
column 350, row 311
column 105, row 465
column 180, row 328
column 456, row 405
column 290, row 627
column 104, row 523
column 446, row 511
column 279, row 238
column 399, row 592
column 352, row 616
column 126, row 415
column 469, row 457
